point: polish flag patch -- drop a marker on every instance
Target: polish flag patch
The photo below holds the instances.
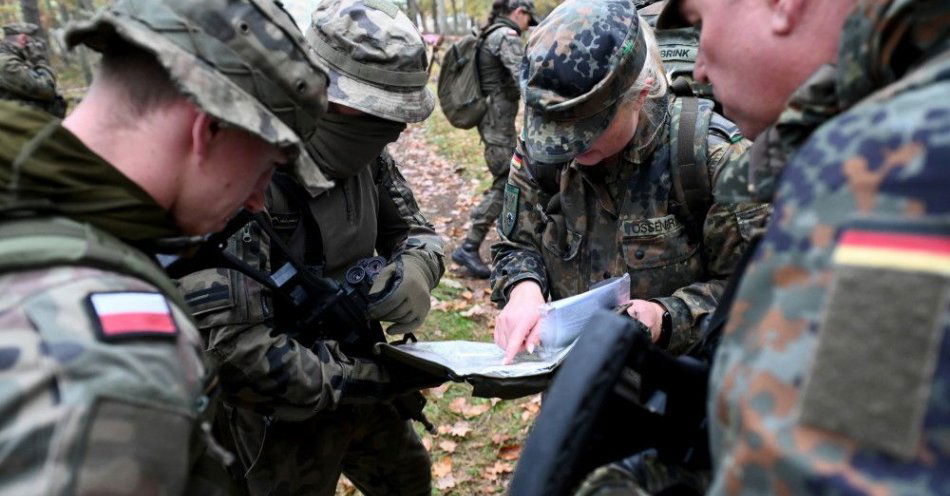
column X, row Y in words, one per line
column 127, row 315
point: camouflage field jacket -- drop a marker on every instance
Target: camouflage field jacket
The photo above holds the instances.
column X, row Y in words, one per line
column 608, row 220
column 832, row 375
column 261, row 367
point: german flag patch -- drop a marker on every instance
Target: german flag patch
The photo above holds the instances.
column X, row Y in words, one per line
column 885, row 307
column 517, row 161
column 901, row 247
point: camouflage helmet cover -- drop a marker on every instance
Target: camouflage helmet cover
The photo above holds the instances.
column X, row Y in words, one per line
column 242, row 61
column 579, row 62
column 20, row 28
column 375, row 57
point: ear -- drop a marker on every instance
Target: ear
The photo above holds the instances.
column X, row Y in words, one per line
column 642, row 97
column 204, row 129
column 786, row 15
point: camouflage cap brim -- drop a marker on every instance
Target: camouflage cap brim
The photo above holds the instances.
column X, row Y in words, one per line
column 193, row 77
column 409, row 105
column 552, row 142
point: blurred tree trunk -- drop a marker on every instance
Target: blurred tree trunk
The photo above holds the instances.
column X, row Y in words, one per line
column 456, row 25
column 439, row 7
column 30, row 10
column 435, row 17
column 412, row 13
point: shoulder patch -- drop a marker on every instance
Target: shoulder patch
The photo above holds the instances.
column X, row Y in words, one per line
column 886, row 306
column 509, row 214
column 516, row 161
column 895, row 247
column 131, row 315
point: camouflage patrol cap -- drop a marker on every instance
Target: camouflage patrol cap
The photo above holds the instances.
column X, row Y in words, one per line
column 375, row 57
column 20, row 28
column 527, row 5
column 579, row 62
column 242, row 61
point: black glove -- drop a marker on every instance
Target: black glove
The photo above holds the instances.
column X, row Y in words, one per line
column 385, row 379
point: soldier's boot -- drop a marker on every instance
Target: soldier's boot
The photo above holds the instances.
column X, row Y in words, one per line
column 467, row 256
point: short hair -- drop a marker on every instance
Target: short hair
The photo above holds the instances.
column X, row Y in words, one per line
column 141, row 80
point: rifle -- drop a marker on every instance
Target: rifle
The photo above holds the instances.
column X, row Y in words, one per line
column 336, row 310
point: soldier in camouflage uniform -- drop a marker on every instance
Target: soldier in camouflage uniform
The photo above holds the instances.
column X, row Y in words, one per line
column 302, row 407
column 102, row 376
column 499, row 65
column 621, row 206
column 831, row 376
column 25, row 74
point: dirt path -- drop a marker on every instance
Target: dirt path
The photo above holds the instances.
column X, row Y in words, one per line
column 445, row 196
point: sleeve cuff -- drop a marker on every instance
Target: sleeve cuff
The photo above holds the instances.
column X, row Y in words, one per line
column 683, row 333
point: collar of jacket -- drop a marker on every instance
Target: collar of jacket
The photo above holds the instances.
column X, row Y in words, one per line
column 884, row 40
column 813, row 104
column 46, row 170
column 508, row 22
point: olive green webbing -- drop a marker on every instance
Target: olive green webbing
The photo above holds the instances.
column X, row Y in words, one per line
column 688, row 167
column 38, row 243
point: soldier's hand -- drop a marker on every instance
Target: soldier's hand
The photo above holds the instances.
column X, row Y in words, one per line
column 649, row 314
column 407, row 305
column 517, row 327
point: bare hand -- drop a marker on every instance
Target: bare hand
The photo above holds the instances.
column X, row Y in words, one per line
column 517, row 326
column 649, row 314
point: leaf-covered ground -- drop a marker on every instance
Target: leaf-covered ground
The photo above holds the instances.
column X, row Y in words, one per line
column 478, row 441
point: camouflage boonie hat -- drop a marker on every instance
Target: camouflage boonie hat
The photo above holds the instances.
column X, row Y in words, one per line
column 579, row 63
column 528, row 5
column 375, row 57
column 242, row 61
column 20, row 28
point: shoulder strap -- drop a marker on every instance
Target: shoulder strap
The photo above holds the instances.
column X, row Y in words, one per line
column 688, row 164
column 38, row 243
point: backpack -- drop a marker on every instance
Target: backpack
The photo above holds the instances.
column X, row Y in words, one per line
column 460, row 86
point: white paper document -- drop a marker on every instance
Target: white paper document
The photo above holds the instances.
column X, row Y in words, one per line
column 563, row 320
column 466, row 358
column 561, row 324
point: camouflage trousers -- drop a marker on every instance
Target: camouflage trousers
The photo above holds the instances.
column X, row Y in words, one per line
column 643, row 475
column 497, row 131
column 371, row 444
column 486, row 213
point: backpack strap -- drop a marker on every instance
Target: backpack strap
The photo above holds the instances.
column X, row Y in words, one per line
column 38, row 243
column 689, row 169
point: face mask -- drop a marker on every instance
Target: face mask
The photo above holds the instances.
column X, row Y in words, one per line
column 344, row 144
